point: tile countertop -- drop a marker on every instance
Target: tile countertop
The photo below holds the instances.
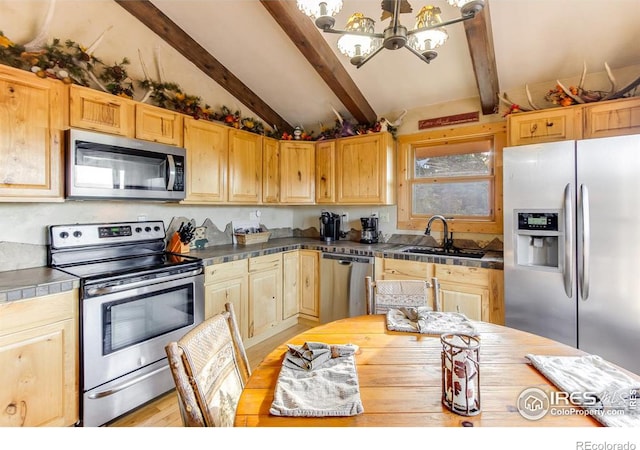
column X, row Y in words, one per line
column 39, row 281
column 225, row 253
column 35, row 282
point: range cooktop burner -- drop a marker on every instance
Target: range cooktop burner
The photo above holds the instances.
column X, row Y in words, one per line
column 123, row 266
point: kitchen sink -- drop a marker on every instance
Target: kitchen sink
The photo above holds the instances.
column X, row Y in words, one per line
column 439, row 251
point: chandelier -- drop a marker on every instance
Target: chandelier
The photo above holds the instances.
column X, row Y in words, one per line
column 360, row 42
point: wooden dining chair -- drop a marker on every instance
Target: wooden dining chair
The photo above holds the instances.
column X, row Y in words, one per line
column 381, row 295
column 210, row 368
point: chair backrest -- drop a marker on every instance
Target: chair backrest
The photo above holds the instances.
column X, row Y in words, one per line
column 210, row 368
column 381, row 295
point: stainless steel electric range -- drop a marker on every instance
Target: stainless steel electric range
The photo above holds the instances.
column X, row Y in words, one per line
column 135, row 297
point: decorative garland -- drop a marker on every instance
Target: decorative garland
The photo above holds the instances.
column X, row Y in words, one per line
column 73, row 64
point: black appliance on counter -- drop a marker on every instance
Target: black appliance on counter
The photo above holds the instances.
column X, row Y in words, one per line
column 135, row 297
column 329, row 226
column 369, row 230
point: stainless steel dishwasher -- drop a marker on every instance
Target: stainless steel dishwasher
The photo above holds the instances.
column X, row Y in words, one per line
column 342, row 292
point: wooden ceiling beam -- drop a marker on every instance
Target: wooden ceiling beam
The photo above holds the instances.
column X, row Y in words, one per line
column 159, row 23
column 307, row 38
column 483, row 58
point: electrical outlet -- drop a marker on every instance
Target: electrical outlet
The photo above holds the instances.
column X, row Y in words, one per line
column 384, row 217
column 345, row 217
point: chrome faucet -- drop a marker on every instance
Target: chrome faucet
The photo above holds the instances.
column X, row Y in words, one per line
column 447, row 240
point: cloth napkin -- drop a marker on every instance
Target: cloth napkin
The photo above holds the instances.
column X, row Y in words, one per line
column 614, row 389
column 318, row 380
column 423, row 320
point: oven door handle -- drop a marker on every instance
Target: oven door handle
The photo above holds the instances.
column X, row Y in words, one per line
column 120, row 387
column 95, row 291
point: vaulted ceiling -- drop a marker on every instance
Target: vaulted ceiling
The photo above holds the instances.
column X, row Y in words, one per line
column 275, row 61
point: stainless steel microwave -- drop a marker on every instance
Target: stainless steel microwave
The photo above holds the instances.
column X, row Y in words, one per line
column 104, row 166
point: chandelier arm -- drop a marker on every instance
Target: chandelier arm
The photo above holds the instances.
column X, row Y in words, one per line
column 355, row 33
column 440, row 25
column 371, row 55
column 418, row 54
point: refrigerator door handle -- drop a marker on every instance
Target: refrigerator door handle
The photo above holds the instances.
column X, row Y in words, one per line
column 568, row 242
column 586, row 241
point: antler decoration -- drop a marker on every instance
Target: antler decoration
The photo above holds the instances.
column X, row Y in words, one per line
column 38, row 42
column 566, row 96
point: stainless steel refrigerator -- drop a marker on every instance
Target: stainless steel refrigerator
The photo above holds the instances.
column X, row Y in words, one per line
column 572, row 244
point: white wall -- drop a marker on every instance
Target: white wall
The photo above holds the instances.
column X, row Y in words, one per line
column 23, row 226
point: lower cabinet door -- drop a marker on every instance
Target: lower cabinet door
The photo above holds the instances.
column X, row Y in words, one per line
column 234, row 291
column 464, row 299
column 38, row 376
column 265, row 300
column 290, row 284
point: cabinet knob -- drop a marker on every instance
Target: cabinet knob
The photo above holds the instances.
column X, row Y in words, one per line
column 11, row 409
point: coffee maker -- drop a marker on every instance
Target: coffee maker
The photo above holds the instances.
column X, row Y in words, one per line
column 369, row 230
column 329, row 226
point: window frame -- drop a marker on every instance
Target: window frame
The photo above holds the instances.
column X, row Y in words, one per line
column 407, row 220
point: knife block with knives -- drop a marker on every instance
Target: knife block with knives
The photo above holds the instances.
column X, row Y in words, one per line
column 179, row 242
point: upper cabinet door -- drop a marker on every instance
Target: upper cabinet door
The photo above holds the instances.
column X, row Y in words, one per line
column 297, row 172
column 245, row 167
column 556, row 124
column 33, row 114
column 365, row 169
column 100, row 111
column 325, row 172
column 270, row 170
column 158, row 125
column 615, row 118
column 207, row 155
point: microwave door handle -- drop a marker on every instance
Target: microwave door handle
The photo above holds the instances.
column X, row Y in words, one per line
column 171, row 179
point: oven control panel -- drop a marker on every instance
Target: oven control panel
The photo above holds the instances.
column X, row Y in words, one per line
column 80, row 235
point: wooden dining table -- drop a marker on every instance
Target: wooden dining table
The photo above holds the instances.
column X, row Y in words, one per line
column 400, row 378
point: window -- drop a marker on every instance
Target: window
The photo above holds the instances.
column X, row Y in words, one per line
column 458, row 177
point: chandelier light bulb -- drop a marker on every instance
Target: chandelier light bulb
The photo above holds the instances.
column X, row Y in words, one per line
column 319, row 8
column 358, row 45
column 429, row 39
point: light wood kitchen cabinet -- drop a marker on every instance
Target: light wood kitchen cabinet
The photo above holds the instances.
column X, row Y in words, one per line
column 265, row 293
column 325, row 172
column 207, row 156
column 158, row 125
column 309, row 284
column 39, row 360
column 365, row 169
column 245, row 167
column 612, row 118
column 547, row 125
column 297, row 172
column 473, row 291
column 476, row 292
column 33, row 114
column 228, row 283
column 270, row 170
column 290, row 284
column 585, row 121
column 95, row 110
column 402, row 269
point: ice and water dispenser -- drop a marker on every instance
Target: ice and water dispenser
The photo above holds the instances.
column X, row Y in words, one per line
column 538, row 239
